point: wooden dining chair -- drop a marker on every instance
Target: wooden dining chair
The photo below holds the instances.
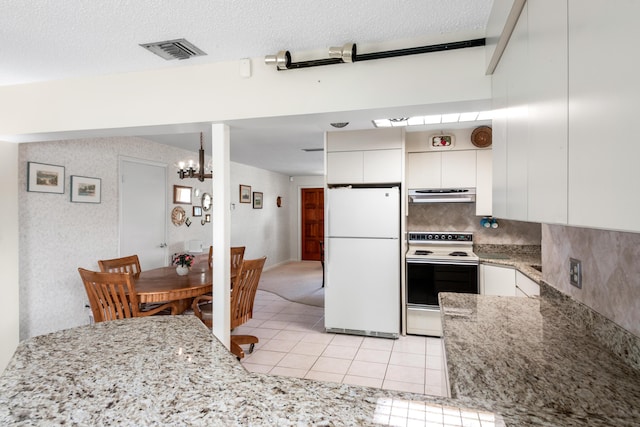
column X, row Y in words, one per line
column 127, row 264
column 113, row 296
column 237, row 256
column 243, row 295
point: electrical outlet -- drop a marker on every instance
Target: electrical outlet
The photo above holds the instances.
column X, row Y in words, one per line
column 575, row 272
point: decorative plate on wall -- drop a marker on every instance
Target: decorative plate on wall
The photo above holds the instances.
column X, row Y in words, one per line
column 178, row 216
column 481, row 136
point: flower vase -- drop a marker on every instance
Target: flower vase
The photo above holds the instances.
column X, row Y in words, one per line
column 182, row 270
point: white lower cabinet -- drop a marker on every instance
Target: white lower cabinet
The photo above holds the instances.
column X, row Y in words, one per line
column 526, row 286
column 499, row 281
column 506, row 281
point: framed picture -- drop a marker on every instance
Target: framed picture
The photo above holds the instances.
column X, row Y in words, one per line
column 181, row 195
column 197, row 211
column 85, row 189
column 245, row 193
column 44, row 178
column 257, row 200
column 207, row 218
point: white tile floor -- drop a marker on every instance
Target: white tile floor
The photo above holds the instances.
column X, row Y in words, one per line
column 293, row 343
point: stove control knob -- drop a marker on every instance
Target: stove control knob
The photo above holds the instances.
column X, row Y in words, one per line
column 437, row 237
column 449, row 237
column 430, row 237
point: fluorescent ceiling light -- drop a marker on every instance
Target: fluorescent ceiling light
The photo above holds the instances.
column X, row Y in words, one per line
column 416, row 121
column 485, row 115
column 468, row 117
column 450, row 118
column 434, row 119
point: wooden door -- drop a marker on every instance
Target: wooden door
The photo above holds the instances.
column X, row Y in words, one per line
column 312, row 222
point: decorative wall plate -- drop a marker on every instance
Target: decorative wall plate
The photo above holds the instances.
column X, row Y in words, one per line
column 178, row 216
column 481, row 136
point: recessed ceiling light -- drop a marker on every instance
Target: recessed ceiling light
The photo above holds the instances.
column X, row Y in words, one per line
column 339, row 125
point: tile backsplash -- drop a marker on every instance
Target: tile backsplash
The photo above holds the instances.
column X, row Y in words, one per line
column 462, row 217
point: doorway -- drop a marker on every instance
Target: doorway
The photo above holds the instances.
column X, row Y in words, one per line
column 312, row 223
column 143, row 211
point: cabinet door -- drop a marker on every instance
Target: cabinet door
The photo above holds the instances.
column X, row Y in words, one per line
column 526, row 285
column 500, row 281
column 517, row 120
column 483, row 183
column 459, row 169
column 424, row 170
column 344, row 167
column 603, row 107
column 382, row 166
column 547, row 153
column 499, row 132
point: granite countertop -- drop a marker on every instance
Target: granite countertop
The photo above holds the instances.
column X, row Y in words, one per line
column 170, row 370
column 524, row 353
column 526, row 258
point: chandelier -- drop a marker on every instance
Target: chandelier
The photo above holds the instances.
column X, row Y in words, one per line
column 189, row 170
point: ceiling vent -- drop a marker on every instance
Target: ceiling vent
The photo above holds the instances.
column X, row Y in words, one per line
column 174, row 49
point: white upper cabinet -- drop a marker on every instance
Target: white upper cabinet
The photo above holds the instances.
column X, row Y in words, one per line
column 365, row 157
column 424, row 170
column 548, row 86
column 530, row 129
column 571, row 72
column 483, row 183
column 604, row 90
column 442, row 169
column 459, row 169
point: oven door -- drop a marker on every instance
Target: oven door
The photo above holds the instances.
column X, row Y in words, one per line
column 425, row 279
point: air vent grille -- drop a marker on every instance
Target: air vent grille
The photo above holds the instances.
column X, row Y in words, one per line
column 174, row 49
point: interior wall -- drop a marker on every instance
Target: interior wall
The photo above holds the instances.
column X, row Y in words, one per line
column 610, row 270
column 9, row 242
column 58, row 236
column 217, row 92
column 266, row 231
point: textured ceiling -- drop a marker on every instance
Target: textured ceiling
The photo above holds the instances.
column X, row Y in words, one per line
column 44, row 40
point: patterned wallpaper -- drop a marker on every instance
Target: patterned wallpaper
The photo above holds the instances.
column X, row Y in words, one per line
column 57, row 236
column 610, row 270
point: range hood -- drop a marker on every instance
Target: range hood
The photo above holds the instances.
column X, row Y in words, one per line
column 442, row 195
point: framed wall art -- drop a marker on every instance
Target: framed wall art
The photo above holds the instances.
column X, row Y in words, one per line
column 44, row 178
column 197, row 211
column 85, row 189
column 257, row 200
column 181, row 195
column 245, row 193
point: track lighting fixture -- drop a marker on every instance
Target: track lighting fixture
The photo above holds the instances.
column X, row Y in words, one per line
column 282, row 59
column 347, row 52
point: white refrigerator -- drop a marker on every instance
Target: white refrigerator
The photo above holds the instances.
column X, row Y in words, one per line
column 362, row 261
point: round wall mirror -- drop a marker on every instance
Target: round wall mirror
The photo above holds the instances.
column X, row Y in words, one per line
column 206, row 201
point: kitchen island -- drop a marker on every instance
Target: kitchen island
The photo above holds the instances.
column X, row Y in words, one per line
column 527, row 353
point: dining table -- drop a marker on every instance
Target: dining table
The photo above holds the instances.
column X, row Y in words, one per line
column 164, row 285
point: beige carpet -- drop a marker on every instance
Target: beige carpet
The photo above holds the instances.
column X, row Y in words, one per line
column 297, row 281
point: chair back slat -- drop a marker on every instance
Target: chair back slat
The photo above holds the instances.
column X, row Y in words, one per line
column 128, row 264
column 111, row 295
column 244, row 291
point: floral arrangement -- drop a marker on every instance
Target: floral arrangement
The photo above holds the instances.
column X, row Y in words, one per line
column 184, row 260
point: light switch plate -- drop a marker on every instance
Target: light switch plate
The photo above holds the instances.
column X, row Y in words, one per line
column 575, row 272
